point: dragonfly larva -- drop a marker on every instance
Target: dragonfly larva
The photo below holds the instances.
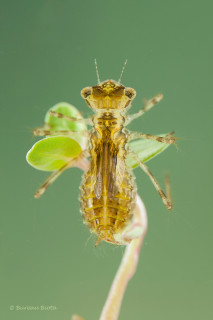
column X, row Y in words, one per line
column 108, row 189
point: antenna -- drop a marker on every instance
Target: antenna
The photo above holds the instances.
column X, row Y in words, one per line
column 96, row 68
column 119, row 81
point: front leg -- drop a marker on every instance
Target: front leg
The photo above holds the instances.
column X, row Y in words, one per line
column 169, row 138
column 148, row 105
column 71, row 119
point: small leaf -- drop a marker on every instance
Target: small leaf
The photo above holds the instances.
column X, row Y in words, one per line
column 52, row 153
column 146, row 150
column 62, row 124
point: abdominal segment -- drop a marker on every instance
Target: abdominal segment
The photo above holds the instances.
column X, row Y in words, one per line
column 108, row 194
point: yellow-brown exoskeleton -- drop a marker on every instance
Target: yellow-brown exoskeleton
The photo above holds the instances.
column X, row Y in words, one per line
column 108, row 189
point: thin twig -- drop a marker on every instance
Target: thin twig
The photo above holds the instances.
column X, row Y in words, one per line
column 127, row 268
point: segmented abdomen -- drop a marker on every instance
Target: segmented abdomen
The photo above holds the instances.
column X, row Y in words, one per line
column 108, row 214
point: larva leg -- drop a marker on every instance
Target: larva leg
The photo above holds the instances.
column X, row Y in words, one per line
column 82, row 163
column 168, row 188
column 166, row 199
column 43, row 132
column 73, row 119
column 50, row 180
column 169, row 138
column 148, row 105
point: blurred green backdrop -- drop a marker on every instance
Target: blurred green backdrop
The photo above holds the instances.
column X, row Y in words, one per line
column 47, row 56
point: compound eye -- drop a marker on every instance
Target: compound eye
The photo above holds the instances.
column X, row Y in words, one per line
column 130, row 93
column 86, row 92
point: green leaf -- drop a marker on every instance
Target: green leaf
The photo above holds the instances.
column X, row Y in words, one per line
column 52, row 153
column 67, row 109
column 146, row 150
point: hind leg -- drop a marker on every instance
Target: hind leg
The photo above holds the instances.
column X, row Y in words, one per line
column 166, row 199
column 50, row 180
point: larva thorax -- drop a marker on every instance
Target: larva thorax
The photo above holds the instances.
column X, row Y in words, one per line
column 108, row 189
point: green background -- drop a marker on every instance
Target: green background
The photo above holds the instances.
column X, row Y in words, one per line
column 47, row 255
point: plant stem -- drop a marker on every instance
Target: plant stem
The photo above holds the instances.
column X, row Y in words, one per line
column 127, row 268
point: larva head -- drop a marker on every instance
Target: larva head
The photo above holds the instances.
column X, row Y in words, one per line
column 108, row 95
